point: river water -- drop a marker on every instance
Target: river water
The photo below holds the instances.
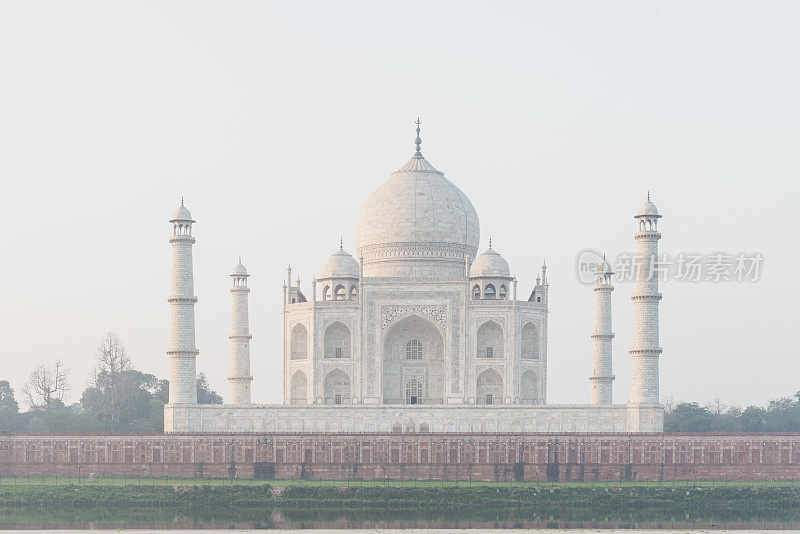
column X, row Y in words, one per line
column 420, row 531
column 229, row 517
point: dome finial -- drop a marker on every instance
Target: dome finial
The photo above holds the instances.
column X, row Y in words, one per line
column 648, row 196
column 341, row 243
column 490, row 242
column 182, row 201
column 418, row 140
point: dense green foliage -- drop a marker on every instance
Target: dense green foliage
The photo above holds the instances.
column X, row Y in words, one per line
column 260, row 494
column 780, row 415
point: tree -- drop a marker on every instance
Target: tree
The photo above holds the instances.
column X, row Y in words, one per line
column 110, row 376
column 782, row 415
column 752, row 419
column 9, row 408
column 668, row 403
column 722, row 417
column 687, row 417
column 47, row 385
column 205, row 395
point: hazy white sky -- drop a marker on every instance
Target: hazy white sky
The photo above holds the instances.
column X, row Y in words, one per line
column 276, row 119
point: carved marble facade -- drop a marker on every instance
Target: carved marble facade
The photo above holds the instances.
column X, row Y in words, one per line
column 370, row 340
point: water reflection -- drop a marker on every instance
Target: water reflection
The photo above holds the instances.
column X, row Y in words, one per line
column 228, row 516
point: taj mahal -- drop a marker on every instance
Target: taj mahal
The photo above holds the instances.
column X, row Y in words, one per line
column 416, row 332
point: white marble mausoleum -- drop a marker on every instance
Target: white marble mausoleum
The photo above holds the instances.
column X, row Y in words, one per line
column 415, row 332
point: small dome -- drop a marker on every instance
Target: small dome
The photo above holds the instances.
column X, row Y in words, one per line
column 239, row 270
column 182, row 214
column 648, row 209
column 340, row 265
column 489, row 264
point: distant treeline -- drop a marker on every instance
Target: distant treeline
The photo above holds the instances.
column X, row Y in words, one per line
column 121, row 398
column 779, row 415
column 118, row 399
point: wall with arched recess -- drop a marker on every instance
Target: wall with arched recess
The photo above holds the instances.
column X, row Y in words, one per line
column 396, row 455
column 337, row 341
column 398, row 367
column 490, row 340
column 298, row 342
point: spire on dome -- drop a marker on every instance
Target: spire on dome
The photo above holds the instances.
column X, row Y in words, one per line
column 648, row 196
column 418, row 163
column 418, row 141
column 341, row 243
column 490, row 242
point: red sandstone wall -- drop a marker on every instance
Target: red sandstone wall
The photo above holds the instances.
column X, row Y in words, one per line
column 589, row 457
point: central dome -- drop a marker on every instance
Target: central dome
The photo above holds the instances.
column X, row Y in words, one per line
column 416, row 223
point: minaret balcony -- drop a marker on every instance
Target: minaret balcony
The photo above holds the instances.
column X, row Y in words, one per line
column 654, row 297
column 182, row 239
column 647, row 234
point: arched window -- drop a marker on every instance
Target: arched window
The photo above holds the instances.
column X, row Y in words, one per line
column 476, row 292
column 413, row 391
column 502, row 293
column 339, row 293
column 528, row 388
column 489, row 388
column 337, row 341
column 326, row 293
column 488, row 291
column 529, row 348
column 299, row 388
column 414, row 350
column 337, row 387
column 490, row 340
column 354, row 293
column 298, row 343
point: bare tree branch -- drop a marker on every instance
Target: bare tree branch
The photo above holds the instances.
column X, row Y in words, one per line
column 47, row 384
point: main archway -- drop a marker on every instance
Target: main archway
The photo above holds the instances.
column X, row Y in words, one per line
column 413, row 363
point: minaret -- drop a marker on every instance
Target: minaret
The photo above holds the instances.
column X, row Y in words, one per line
column 182, row 351
column 645, row 352
column 601, row 380
column 239, row 379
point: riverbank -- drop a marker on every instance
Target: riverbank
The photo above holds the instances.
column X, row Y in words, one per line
column 778, row 498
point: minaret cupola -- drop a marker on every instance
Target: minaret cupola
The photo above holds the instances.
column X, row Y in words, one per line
column 182, row 221
column 240, row 275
